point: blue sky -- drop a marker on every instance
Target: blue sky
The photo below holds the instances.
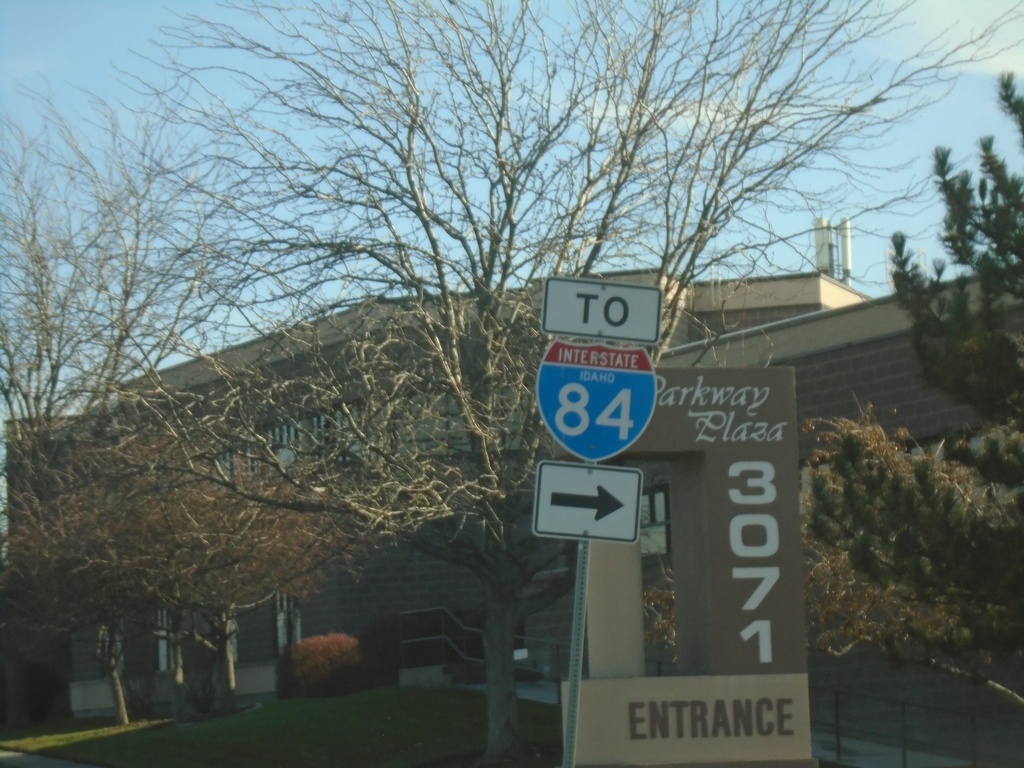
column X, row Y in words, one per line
column 61, row 48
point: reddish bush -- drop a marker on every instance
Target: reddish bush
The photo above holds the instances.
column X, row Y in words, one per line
column 326, row 665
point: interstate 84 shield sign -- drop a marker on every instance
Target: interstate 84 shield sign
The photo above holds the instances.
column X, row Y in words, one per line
column 596, row 400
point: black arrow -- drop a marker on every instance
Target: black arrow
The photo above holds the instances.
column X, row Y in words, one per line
column 603, row 503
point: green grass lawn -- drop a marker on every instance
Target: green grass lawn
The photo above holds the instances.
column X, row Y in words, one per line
column 398, row 728
column 386, row 727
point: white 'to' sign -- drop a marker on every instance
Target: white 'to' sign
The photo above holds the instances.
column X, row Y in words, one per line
column 602, row 309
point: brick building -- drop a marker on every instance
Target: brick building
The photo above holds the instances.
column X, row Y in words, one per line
column 848, row 351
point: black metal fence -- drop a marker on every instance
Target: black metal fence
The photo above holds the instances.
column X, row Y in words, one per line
column 914, row 733
column 846, row 725
column 436, row 636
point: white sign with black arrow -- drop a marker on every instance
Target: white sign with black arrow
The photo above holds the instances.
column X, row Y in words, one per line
column 583, row 501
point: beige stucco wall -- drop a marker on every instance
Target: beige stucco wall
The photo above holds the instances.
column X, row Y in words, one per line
column 797, row 290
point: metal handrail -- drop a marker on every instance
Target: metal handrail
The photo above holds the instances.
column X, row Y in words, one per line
column 559, row 651
column 973, row 748
column 442, row 636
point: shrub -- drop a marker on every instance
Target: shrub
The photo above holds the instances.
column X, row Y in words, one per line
column 325, row 665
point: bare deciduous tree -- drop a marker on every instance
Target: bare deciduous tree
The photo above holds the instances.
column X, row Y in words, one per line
column 219, row 556
column 430, row 162
column 101, row 263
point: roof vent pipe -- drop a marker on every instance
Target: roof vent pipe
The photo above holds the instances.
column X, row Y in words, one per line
column 832, row 242
column 846, row 248
column 823, row 246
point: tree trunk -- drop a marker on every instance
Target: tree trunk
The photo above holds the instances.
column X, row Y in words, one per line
column 108, row 653
column 117, row 690
column 227, row 663
column 179, row 667
column 501, row 619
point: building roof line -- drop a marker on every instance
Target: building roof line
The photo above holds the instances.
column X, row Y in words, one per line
column 760, row 331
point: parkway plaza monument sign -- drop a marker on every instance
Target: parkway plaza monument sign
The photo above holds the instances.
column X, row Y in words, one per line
column 729, row 441
column 740, row 696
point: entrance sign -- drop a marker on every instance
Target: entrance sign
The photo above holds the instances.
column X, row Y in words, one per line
column 582, row 501
column 727, row 443
column 602, row 309
column 596, row 400
column 729, row 721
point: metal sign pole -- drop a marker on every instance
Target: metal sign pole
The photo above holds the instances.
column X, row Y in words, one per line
column 579, row 620
column 596, row 400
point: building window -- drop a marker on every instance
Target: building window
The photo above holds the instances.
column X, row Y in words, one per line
column 319, row 427
column 654, row 522
column 284, row 439
column 164, row 653
column 226, row 464
column 322, row 432
column 110, row 645
column 287, row 620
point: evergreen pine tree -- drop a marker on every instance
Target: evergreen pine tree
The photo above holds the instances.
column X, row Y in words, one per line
column 918, row 552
